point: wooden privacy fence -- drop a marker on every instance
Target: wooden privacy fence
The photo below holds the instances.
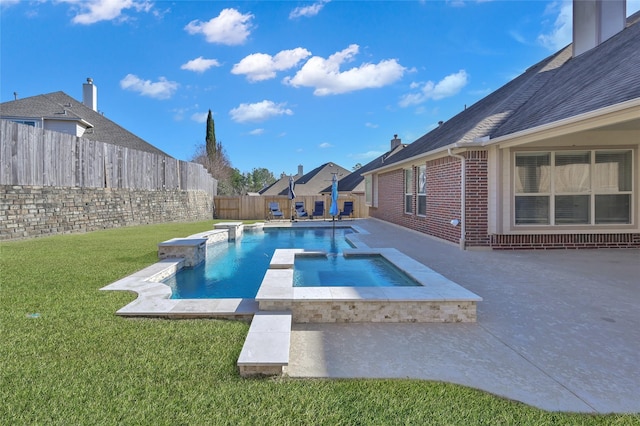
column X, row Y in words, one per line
column 37, row 157
column 249, row 207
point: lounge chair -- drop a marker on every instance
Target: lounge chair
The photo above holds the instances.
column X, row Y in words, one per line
column 318, row 209
column 348, row 210
column 274, row 211
column 300, row 211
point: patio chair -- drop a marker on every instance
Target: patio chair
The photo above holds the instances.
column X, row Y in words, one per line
column 300, row 211
column 348, row 210
column 318, row 209
column 274, row 211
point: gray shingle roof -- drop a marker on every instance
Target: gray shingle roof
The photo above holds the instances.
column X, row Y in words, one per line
column 556, row 88
column 52, row 105
column 351, row 181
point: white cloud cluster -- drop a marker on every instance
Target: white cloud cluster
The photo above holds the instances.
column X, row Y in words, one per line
column 308, row 11
column 92, row 11
column 230, row 27
column 200, row 64
column 161, row 89
column 260, row 66
column 200, row 117
column 448, row 86
column 325, row 77
column 258, row 111
column 562, row 32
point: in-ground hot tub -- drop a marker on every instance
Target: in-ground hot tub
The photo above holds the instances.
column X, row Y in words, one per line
column 434, row 299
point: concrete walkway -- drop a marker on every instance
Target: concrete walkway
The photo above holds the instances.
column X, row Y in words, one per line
column 557, row 329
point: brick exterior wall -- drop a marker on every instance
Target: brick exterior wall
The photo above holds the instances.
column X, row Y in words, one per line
column 443, row 205
column 443, row 199
column 31, row 211
column 564, row 241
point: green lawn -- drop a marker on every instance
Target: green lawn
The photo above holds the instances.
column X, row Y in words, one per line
column 76, row 362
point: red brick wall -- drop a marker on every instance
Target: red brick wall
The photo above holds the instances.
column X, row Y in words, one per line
column 564, row 241
column 443, row 205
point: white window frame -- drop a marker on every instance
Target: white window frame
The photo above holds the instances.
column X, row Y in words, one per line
column 592, row 191
column 421, row 190
column 408, row 190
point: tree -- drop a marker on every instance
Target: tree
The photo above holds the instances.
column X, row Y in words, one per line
column 211, row 144
column 258, row 179
column 356, row 167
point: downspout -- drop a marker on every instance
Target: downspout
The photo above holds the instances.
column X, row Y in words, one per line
column 463, row 199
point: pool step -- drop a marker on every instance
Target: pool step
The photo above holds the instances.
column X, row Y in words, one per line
column 266, row 348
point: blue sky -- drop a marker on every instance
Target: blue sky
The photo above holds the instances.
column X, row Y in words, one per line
column 288, row 82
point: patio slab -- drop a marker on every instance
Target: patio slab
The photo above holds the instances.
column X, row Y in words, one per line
column 557, row 329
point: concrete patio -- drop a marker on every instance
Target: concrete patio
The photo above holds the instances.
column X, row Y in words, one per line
column 559, row 330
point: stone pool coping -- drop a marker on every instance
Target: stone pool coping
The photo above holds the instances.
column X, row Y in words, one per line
column 436, row 299
column 154, row 297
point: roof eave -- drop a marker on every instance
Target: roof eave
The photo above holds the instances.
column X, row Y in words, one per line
column 607, row 116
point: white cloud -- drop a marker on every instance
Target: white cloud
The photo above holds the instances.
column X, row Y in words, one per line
column 324, row 145
column 200, row 64
column 371, row 125
column 259, row 111
column 92, row 11
column 369, row 155
column 161, row 89
column 200, row 117
column 256, row 132
column 7, row 3
column 260, row 66
column 448, row 86
column 230, row 27
column 325, row 76
column 562, row 31
column 308, row 11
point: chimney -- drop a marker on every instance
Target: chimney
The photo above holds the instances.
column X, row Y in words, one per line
column 300, row 170
column 395, row 142
column 595, row 21
column 90, row 94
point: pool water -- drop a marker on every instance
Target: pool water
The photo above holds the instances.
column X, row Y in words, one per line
column 351, row 271
column 236, row 269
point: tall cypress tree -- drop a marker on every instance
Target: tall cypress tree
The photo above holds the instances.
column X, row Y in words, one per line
column 212, row 146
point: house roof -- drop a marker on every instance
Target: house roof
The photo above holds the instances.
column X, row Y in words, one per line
column 308, row 184
column 60, row 106
column 317, row 179
column 350, row 182
column 556, row 88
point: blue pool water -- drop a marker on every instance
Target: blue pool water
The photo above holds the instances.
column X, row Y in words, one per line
column 236, row 269
column 352, row 271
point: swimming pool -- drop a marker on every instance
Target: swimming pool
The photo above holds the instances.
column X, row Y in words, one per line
column 235, row 269
column 336, row 270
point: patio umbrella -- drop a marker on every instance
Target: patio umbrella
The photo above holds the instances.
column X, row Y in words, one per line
column 292, row 194
column 333, row 211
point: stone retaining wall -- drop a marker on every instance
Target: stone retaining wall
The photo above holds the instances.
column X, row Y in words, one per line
column 33, row 211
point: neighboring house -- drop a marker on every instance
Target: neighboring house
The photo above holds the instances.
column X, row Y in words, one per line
column 354, row 183
column 311, row 183
column 550, row 160
column 60, row 112
column 281, row 186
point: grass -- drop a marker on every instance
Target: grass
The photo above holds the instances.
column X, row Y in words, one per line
column 75, row 362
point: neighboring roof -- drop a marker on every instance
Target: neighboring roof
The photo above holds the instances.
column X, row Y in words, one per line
column 556, row 88
column 317, row 179
column 52, row 106
column 308, row 184
column 351, row 182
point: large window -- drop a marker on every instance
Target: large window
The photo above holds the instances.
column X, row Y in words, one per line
column 408, row 191
column 573, row 187
column 421, row 185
